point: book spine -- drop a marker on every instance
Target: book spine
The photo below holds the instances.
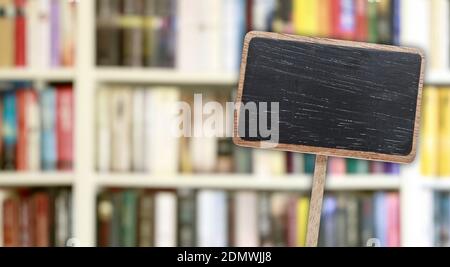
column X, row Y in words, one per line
column 11, row 223
column 108, row 33
column 131, row 23
column 7, row 21
column 20, row 58
column 9, row 130
column 361, row 20
column 55, row 49
column 33, row 128
column 64, row 127
column 444, row 133
column 393, row 220
column 430, row 130
column 129, row 219
column 48, row 141
column 146, row 220
column 22, row 148
column 165, row 219
column 42, row 44
column 309, row 163
column 372, row 17
column 42, row 223
column 302, row 220
column 337, row 166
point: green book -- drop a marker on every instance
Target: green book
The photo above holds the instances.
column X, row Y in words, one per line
column 372, row 20
column 243, row 159
column 114, row 233
column 357, row 166
column 129, row 218
column 309, row 163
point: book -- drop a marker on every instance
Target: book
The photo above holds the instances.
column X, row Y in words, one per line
column 103, row 129
column 212, row 218
column 42, row 220
column 146, row 209
column 7, row 21
column 341, row 228
column 361, row 32
column 165, row 219
column 245, row 224
column 357, row 166
column 68, row 21
column 138, row 131
column 429, row 131
column 381, row 217
column 20, row 55
column 40, row 40
column 439, row 35
column 232, row 31
column 372, row 22
column 26, row 221
column 309, row 163
column 9, row 130
column 62, row 217
column 443, row 150
column 64, row 126
column 263, row 13
column 108, row 44
column 105, row 211
column 265, row 223
column 55, row 33
column 384, row 21
column 305, row 17
column 11, row 222
column 48, row 122
column 279, row 218
column 131, row 25
column 33, row 128
column 337, row 166
column 393, row 220
column 3, row 197
column 302, row 220
column 121, row 112
column 187, row 220
column 129, row 218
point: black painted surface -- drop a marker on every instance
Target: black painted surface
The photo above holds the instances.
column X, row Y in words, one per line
column 335, row 96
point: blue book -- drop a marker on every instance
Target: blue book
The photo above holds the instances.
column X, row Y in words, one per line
column 48, row 137
column 329, row 214
column 395, row 4
column 380, row 213
column 9, row 130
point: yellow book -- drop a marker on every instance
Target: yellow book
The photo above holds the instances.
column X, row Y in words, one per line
column 305, row 14
column 444, row 132
column 302, row 220
column 429, row 132
column 324, row 16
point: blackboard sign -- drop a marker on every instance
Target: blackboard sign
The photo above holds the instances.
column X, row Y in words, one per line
column 329, row 97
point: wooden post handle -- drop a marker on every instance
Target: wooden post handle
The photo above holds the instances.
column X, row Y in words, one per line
column 315, row 207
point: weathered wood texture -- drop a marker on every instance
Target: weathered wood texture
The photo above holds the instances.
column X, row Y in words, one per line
column 336, row 98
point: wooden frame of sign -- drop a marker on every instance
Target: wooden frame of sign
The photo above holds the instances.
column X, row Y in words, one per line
column 323, row 152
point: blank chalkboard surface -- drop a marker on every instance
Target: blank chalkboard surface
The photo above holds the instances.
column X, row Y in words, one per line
column 336, row 98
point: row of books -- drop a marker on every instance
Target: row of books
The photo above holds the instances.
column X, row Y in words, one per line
column 242, row 218
column 194, row 35
column 37, row 127
column 435, row 132
column 35, row 218
column 134, row 134
column 423, row 23
column 37, row 33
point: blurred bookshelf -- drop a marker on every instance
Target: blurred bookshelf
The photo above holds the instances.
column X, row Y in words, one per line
column 86, row 182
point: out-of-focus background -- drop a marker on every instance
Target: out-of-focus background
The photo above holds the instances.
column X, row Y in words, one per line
column 86, row 158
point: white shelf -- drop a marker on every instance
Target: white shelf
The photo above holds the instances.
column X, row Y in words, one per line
column 64, row 74
column 17, row 179
column 438, row 77
column 239, row 182
column 437, row 183
column 163, row 76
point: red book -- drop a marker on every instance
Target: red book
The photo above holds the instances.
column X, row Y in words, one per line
column 292, row 222
column 42, row 219
column 249, row 15
column 335, row 13
column 343, row 24
column 361, row 20
column 20, row 34
column 21, row 155
column 64, row 126
column 26, row 222
column 393, row 205
column 11, row 223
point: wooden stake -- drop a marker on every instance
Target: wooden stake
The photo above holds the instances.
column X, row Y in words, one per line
column 315, row 206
